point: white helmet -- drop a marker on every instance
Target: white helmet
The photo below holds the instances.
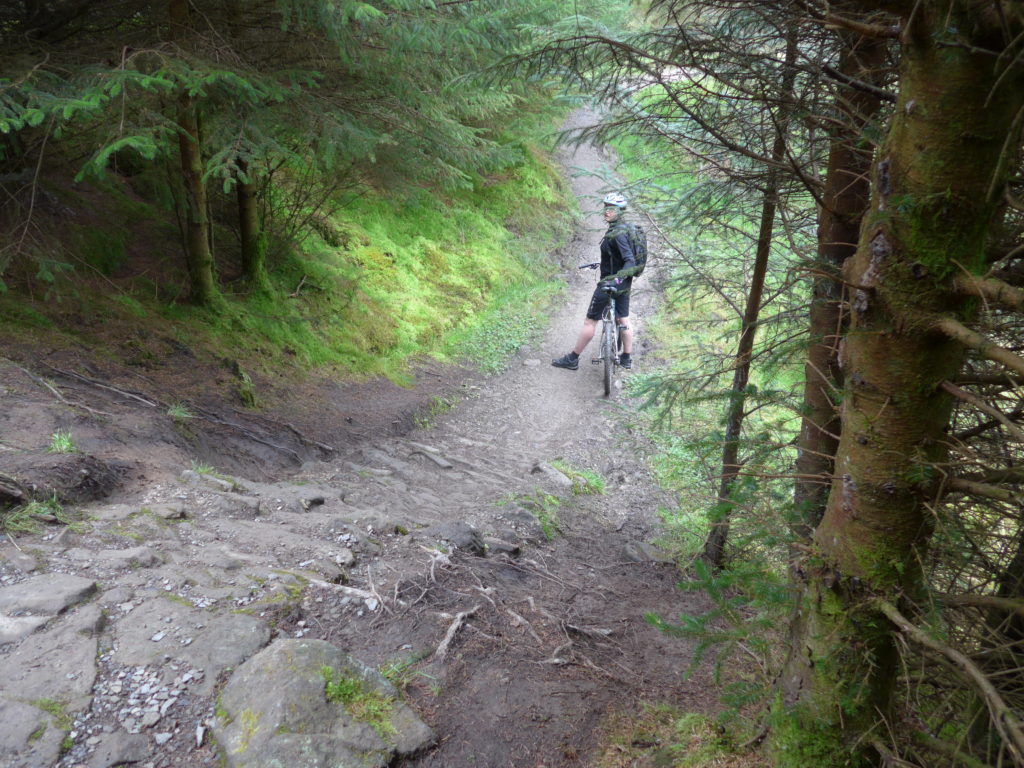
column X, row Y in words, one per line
column 616, row 200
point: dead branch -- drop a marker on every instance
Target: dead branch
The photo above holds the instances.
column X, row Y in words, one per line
column 458, row 621
column 1004, row 719
column 981, row 405
column 991, row 289
column 984, row 490
column 362, row 594
column 834, row 21
column 984, row 347
column 985, row 601
column 44, row 383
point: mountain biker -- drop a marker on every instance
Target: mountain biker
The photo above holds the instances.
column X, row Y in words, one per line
column 617, row 265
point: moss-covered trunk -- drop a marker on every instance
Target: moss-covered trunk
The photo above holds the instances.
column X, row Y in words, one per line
column 937, row 182
column 844, row 201
column 199, row 255
column 253, row 240
column 197, row 223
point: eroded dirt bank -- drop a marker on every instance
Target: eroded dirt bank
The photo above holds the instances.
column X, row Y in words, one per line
column 450, row 554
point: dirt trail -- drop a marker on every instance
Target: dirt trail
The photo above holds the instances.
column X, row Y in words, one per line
column 464, row 516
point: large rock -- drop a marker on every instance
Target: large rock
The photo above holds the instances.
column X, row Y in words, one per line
column 461, row 536
column 205, row 640
column 298, row 726
column 14, row 628
column 46, row 595
column 29, row 738
column 58, row 663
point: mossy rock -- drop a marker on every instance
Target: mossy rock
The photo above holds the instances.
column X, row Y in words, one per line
column 274, row 712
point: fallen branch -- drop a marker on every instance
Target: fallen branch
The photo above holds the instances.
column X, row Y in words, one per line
column 458, row 621
column 1003, row 718
column 362, row 594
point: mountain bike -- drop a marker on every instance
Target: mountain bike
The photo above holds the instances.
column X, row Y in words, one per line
column 610, row 342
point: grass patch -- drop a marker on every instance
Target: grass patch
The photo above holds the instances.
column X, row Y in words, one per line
column 585, row 482
column 28, row 518
column 516, row 318
column 438, row 405
column 545, row 508
column 360, row 701
column 661, row 735
column 62, row 441
column 179, row 412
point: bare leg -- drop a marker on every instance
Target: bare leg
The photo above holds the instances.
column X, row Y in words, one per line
column 586, row 334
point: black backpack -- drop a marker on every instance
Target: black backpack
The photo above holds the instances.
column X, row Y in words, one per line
column 637, row 239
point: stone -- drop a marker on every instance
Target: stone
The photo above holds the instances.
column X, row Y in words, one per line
column 132, row 557
column 239, row 505
column 524, row 522
column 119, row 748
column 59, row 663
column 532, row 363
column 298, row 725
column 29, row 737
column 218, row 640
column 46, row 595
column 23, row 561
column 167, row 511
column 461, row 535
column 497, row 546
column 552, row 476
column 14, row 628
column 642, row 552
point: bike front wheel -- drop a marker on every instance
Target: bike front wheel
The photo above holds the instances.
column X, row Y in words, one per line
column 608, row 343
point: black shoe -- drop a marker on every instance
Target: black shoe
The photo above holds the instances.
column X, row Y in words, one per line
column 568, row 361
column 626, row 361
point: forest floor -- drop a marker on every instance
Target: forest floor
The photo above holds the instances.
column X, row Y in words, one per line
column 362, row 514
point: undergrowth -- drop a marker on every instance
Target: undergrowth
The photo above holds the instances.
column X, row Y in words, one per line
column 385, row 279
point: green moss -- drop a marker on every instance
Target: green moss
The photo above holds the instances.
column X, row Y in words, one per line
column 585, row 482
column 801, row 739
column 359, row 700
column 250, row 722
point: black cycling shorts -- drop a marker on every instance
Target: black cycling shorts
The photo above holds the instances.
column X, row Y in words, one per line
column 600, row 298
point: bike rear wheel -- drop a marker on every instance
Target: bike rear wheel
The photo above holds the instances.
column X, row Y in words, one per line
column 608, row 351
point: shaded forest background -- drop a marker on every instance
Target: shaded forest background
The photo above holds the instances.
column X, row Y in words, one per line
column 837, row 191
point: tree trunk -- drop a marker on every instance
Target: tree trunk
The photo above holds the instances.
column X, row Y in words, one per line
column 197, row 224
column 254, row 243
column 845, row 199
column 198, row 254
column 714, row 545
column 936, row 188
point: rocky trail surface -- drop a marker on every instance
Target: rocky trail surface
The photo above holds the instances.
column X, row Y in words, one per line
column 445, row 595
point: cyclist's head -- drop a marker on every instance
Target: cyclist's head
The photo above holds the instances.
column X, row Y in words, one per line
column 614, row 206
